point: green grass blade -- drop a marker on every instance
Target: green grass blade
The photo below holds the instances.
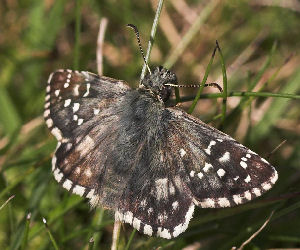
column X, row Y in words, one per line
column 77, row 34
column 191, row 33
column 202, row 84
column 152, row 36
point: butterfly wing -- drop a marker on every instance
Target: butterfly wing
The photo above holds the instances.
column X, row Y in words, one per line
column 185, row 162
column 80, row 113
column 219, row 171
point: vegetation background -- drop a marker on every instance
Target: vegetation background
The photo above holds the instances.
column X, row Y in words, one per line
column 260, row 44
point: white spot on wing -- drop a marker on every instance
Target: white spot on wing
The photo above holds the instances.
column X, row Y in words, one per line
column 266, row 186
column 200, row 175
column 136, row 223
column 207, row 167
column 56, row 92
column 128, row 217
column 67, row 184
column 225, row 157
column 221, row 172
column 248, row 155
column 58, row 175
column 76, row 106
column 47, row 105
column 192, row 173
column 57, row 133
column 96, row 111
column 69, row 146
column 175, row 205
column 88, row 85
column 77, row 170
column 90, row 194
column 143, row 203
column 85, row 146
column 182, row 152
column 46, row 113
column 66, row 85
column 236, row 178
column 150, row 210
column 248, row 179
column 256, row 191
column 148, row 230
column 161, row 188
column 88, row 172
column 243, row 164
column 208, row 149
column 237, row 199
column 75, row 117
column 171, row 188
column 207, row 203
column 67, row 102
column 80, row 121
column 76, row 90
column 164, row 233
column 223, row 202
column 79, row 190
column 247, row 195
column 49, row 123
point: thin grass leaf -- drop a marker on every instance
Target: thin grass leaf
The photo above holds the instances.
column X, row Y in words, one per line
column 224, row 75
column 152, row 36
column 77, row 34
column 191, row 33
column 91, row 244
column 235, row 113
column 56, row 214
column 202, row 84
column 53, row 241
column 130, row 239
column 6, row 202
column 26, row 231
column 276, row 110
column 97, row 223
column 10, row 120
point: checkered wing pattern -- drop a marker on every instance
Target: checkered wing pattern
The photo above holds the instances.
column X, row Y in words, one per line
column 219, row 171
column 78, row 107
column 124, row 150
column 192, row 164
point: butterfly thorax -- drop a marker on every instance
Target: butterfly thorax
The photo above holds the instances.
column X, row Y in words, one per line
column 157, row 82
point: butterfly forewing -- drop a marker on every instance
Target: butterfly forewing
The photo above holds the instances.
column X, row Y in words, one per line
column 79, row 111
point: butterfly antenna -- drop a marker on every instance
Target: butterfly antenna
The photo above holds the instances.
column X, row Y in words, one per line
column 212, row 84
column 137, row 34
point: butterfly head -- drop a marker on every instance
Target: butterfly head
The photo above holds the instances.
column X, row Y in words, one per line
column 158, row 81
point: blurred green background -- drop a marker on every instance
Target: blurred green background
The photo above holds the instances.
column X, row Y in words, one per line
column 260, row 44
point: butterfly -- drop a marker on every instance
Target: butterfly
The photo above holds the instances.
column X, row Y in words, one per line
column 127, row 150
